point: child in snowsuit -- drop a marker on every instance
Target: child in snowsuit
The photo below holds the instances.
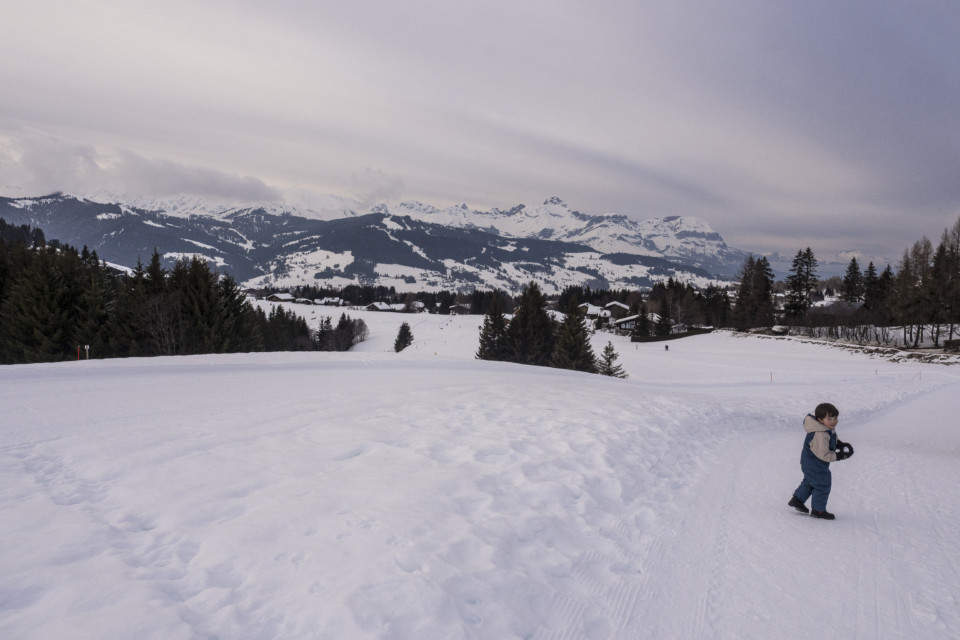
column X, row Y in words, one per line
column 820, row 448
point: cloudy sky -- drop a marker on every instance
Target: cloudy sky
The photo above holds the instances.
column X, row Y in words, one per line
column 834, row 125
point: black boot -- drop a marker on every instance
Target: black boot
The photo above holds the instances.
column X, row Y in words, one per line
column 825, row 515
column 796, row 504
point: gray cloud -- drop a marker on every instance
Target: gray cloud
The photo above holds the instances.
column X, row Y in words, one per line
column 781, row 124
column 39, row 164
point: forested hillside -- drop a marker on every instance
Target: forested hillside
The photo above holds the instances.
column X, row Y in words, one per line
column 57, row 303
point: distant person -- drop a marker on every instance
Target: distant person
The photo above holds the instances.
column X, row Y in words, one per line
column 666, row 347
column 820, row 448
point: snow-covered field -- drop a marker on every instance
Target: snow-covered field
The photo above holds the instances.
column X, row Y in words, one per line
column 427, row 495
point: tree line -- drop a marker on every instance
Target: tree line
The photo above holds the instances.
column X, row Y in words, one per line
column 533, row 337
column 358, row 295
column 921, row 297
column 57, row 303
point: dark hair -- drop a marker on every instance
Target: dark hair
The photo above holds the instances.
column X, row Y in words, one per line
column 825, row 410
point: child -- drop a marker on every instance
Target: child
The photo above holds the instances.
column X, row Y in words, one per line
column 820, row 448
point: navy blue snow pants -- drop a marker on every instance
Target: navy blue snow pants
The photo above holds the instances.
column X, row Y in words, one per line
column 817, row 478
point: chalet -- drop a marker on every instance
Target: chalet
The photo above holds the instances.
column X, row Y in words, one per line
column 593, row 312
column 280, row 297
column 617, row 309
column 627, row 324
column 385, row 306
column 460, row 309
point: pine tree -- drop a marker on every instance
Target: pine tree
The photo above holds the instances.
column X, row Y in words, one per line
column 937, row 288
column 127, row 334
column 717, row 309
column 343, row 338
column 853, row 287
column 800, row 283
column 530, row 335
column 572, row 348
column 93, row 314
column 493, row 335
column 871, row 288
column 203, row 314
column 885, row 289
column 155, row 276
column 642, row 327
column 240, row 326
column 763, row 279
column 664, row 326
column 36, row 327
column 404, row 338
column 608, row 363
column 323, row 334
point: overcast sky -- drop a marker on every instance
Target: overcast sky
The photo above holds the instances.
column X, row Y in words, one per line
column 783, row 124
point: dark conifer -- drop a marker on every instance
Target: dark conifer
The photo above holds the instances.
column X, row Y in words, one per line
column 36, row 327
column 853, row 287
column 126, row 327
column 343, row 337
column 608, row 363
column 240, row 325
column 404, row 338
column 493, row 335
column 93, row 313
column 530, row 335
column 800, row 284
column 572, row 348
column 642, row 327
column 664, row 324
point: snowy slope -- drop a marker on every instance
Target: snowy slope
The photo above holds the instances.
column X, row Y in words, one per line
column 327, row 207
column 679, row 237
column 429, row 495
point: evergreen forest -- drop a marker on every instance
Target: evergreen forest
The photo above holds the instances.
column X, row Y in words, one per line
column 57, row 303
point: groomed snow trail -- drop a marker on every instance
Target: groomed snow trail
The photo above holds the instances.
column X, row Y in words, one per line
column 748, row 566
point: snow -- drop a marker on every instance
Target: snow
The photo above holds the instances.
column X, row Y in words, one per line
column 177, row 255
column 429, row 495
column 393, row 225
column 200, row 244
column 303, row 266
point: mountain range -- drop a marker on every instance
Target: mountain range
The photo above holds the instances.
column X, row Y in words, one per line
column 411, row 246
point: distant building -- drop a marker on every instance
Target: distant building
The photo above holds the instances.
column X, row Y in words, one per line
column 617, row 309
column 593, row 312
column 627, row 324
column 386, row 306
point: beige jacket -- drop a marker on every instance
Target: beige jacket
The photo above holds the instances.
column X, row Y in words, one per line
column 820, row 444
